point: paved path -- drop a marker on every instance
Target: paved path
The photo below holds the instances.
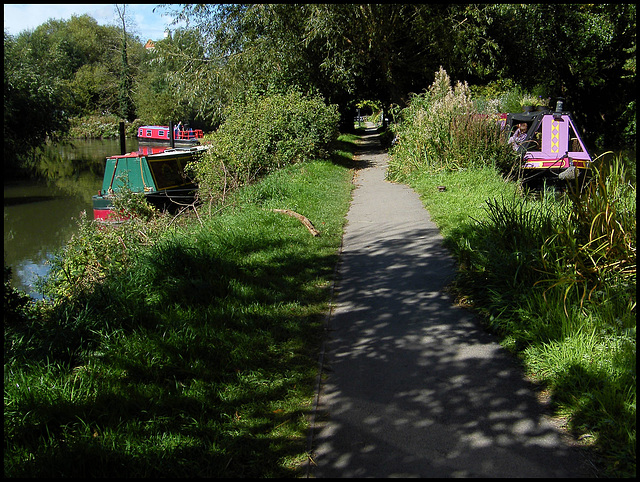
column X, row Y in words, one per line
column 413, row 387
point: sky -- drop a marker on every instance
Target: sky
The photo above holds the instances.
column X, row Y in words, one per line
column 146, row 24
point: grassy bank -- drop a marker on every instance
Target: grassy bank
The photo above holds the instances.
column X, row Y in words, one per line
column 579, row 345
column 553, row 275
column 196, row 355
column 101, row 127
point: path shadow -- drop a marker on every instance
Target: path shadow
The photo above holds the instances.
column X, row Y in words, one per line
column 413, row 385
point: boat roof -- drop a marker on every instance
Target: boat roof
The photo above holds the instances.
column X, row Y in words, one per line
column 169, row 151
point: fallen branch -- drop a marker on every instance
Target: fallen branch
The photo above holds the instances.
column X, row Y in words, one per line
column 300, row 218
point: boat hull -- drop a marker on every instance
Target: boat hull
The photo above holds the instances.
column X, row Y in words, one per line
column 170, row 200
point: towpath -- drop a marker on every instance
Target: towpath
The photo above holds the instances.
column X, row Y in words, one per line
column 412, row 386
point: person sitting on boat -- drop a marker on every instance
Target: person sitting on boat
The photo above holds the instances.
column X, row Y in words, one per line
column 519, row 135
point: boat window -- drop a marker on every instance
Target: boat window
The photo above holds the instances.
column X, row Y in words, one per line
column 149, row 133
column 161, row 133
column 575, row 144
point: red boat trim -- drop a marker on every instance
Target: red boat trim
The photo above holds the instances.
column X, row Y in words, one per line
column 103, row 214
column 560, row 163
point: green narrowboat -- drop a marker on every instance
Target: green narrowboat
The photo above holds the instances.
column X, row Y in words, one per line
column 160, row 177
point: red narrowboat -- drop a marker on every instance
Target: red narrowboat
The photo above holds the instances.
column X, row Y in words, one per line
column 161, row 134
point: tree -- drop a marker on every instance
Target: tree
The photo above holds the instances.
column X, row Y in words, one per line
column 159, row 96
column 34, row 101
column 346, row 52
column 580, row 52
column 125, row 102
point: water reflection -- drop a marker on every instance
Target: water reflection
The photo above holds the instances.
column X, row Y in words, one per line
column 40, row 216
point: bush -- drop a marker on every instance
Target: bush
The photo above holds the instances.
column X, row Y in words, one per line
column 441, row 129
column 264, row 134
column 97, row 251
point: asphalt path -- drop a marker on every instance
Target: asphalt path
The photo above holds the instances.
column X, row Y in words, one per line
column 412, row 386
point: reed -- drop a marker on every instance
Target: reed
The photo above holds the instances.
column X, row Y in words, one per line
column 443, row 130
column 595, row 246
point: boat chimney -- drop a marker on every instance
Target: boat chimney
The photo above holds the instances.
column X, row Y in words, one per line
column 171, row 138
column 123, row 141
column 559, row 104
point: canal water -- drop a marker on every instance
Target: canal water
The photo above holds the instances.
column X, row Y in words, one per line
column 40, row 216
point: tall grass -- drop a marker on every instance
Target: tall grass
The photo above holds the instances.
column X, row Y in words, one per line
column 595, row 246
column 442, row 130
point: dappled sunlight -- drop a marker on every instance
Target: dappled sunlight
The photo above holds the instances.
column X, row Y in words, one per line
column 414, row 386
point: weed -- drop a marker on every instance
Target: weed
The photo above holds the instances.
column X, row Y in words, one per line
column 441, row 130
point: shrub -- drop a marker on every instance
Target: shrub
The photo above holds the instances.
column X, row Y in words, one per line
column 98, row 250
column 265, row 133
column 441, row 129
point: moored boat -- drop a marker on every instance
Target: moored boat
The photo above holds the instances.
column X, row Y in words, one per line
column 549, row 143
column 162, row 135
column 159, row 176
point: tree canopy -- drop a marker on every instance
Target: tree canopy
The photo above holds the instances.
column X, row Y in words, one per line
column 584, row 53
column 348, row 53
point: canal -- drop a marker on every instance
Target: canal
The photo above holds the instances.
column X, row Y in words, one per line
column 41, row 215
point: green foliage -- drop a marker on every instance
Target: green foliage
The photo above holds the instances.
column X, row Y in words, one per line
column 160, row 95
column 18, row 306
column 33, row 102
column 344, row 52
column 442, row 130
column 580, row 52
column 59, row 70
column 94, row 127
column 192, row 352
column 97, row 251
column 266, row 133
column 594, row 249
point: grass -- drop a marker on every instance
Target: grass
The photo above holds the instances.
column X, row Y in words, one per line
column 199, row 359
column 574, row 333
column 553, row 276
column 197, row 356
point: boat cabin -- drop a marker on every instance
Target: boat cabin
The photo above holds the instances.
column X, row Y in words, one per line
column 162, row 134
column 551, row 143
column 160, row 177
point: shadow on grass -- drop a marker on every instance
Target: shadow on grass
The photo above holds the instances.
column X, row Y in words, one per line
column 201, row 372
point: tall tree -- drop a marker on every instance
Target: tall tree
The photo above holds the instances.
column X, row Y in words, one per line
column 583, row 52
column 34, row 102
column 125, row 101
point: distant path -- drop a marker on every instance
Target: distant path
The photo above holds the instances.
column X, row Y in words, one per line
column 412, row 385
